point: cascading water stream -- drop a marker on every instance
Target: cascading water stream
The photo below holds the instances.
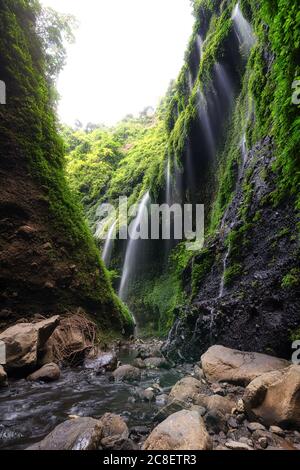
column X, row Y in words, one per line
column 108, row 246
column 205, row 123
column 130, row 262
column 242, row 29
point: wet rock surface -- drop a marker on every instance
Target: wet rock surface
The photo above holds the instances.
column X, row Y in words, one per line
column 253, row 311
column 164, row 410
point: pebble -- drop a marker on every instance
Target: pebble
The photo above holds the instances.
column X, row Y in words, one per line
column 234, row 445
column 256, row 427
column 277, row 430
column 263, row 442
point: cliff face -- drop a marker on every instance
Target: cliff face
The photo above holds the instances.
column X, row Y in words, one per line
column 48, row 260
column 243, row 288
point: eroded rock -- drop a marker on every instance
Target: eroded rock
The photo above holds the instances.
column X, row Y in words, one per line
column 24, row 340
column 184, row 430
column 222, row 364
column 274, row 398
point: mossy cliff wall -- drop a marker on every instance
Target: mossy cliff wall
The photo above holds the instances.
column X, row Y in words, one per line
column 49, row 261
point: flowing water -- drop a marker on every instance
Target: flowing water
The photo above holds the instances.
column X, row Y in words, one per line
column 242, row 29
column 29, row 411
column 205, row 123
column 108, row 246
column 131, row 256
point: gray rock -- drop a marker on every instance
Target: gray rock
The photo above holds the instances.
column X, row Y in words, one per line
column 157, row 363
column 256, row 427
column 234, row 445
column 127, row 373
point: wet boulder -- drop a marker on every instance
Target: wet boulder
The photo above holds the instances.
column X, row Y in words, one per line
column 222, row 364
column 184, row 430
column 24, row 341
column 48, row 373
column 75, row 434
column 274, row 398
column 109, row 432
column 127, row 373
column 139, row 363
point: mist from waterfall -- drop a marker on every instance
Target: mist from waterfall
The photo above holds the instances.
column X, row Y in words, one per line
column 108, row 246
column 131, row 256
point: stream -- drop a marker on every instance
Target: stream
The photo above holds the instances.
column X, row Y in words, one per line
column 31, row 410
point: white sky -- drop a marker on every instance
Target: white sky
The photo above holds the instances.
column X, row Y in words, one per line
column 125, row 55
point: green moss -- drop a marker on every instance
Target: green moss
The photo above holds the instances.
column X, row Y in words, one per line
column 29, row 137
column 232, row 273
column 291, row 279
column 201, row 267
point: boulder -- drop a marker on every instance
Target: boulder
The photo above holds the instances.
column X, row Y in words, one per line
column 216, row 402
column 184, row 430
column 48, row 373
column 70, row 339
column 157, row 363
column 127, row 373
column 86, row 434
column 75, row 434
column 171, row 407
column 222, row 364
column 274, row 398
column 24, row 340
column 3, row 377
column 186, row 390
column 102, row 362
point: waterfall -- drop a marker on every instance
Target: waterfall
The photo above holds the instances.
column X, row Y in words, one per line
column 130, row 262
column 242, row 29
column 108, row 246
column 202, row 108
column 224, row 82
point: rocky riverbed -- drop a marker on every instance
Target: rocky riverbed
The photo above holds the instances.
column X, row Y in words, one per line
column 131, row 397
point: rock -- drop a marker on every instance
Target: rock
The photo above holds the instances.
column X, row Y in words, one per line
column 186, row 390
column 74, row 341
column 232, row 423
column 184, row 430
column 198, row 373
column 157, row 363
column 27, row 231
column 161, row 400
column 48, row 373
column 277, row 430
column 86, row 434
column 256, row 427
column 240, row 406
column 217, row 390
column 24, row 341
column 234, row 445
column 127, row 373
column 216, row 402
column 3, row 377
column 148, row 394
column 274, row 398
column 247, row 441
column 114, row 432
column 75, row 434
column 102, row 362
column 215, row 421
column 139, row 363
column 263, row 442
column 222, row 364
